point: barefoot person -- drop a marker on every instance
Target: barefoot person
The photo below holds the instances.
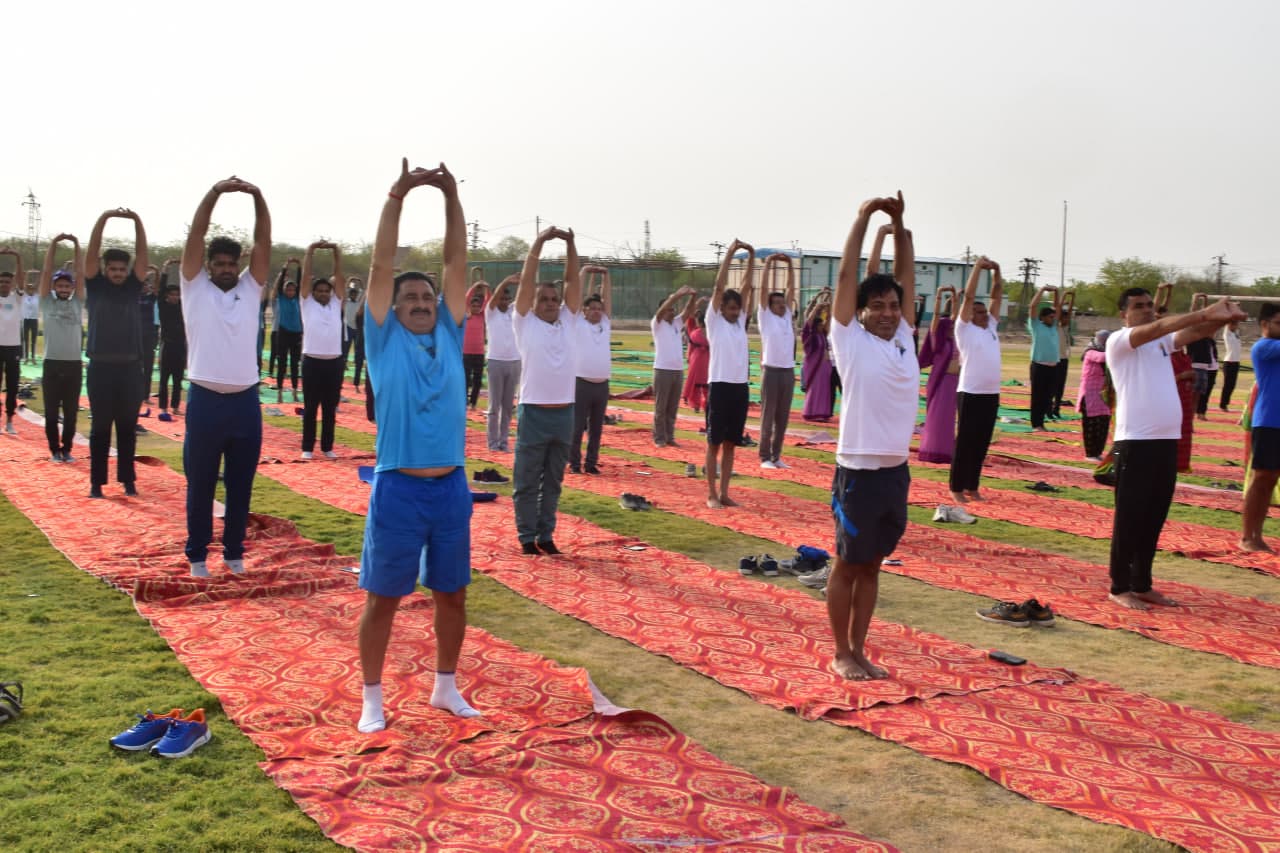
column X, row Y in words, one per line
column 1265, row 432
column 420, row 506
column 62, row 304
column 978, row 391
column 776, row 321
column 593, row 364
column 542, row 323
column 114, row 347
column 224, row 421
column 871, row 337
column 668, row 364
column 1148, row 425
column 729, row 393
column 321, row 352
column 502, row 362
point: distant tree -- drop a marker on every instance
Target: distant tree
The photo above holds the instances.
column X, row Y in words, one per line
column 1268, row 285
column 667, row 255
column 509, row 248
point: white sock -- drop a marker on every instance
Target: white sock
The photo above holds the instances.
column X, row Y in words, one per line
column 446, row 697
column 199, row 570
column 371, row 716
column 236, row 567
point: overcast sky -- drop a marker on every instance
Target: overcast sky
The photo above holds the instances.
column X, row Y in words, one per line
column 1157, row 121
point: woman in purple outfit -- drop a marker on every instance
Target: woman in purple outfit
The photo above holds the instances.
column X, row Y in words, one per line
column 941, row 357
column 815, row 375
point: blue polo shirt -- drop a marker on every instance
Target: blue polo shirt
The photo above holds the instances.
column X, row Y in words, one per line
column 420, row 392
column 1266, row 370
column 1044, row 341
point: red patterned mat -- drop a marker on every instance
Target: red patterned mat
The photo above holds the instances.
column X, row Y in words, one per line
column 279, row 652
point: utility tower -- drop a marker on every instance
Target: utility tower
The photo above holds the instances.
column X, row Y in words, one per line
column 719, row 247
column 648, row 248
column 1222, row 262
column 33, row 227
column 475, row 234
column 1030, row 268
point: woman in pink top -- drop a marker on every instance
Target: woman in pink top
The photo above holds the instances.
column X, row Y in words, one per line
column 695, row 383
column 1095, row 413
column 473, row 341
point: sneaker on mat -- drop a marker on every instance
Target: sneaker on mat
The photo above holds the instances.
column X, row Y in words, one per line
column 307, row 454
column 9, row 427
column 329, row 454
column 690, row 470
column 148, row 731
column 165, row 416
column 747, row 566
column 1007, row 613
column 768, row 464
column 816, row 580
column 768, row 566
column 1037, row 613
column 778, row 463
column 546, row 546
column 184, row 736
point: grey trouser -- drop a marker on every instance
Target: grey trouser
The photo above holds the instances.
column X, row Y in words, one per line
column 589, row 402
column 777, row 386
column 542, row 448
column 504, row 380
column 666, row 402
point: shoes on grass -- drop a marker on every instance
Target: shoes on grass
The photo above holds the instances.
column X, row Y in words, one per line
column 768, row 566
column 147, row 732
column 1006, row 613
column 184, row 736
column 637, row 502
column 691, row 470
column 747, row 566
column 489, row 475
column 953, row 515
column 816, row 580
column 1038, row 614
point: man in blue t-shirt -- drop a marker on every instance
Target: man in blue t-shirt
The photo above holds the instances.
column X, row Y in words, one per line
column 1265, row 426
column 1044, row 356
column 419, row 520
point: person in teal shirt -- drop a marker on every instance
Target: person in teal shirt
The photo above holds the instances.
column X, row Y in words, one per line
column 1044, row 355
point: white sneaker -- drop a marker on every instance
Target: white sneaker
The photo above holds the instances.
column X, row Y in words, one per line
column 9, row 428
column 956, row 514
column 768, row 464
column 199, row 570
column 329, row 454
column 307, row 454
column 1097, row 459
column 236, row 567
column 942, row 513
column 778, row 463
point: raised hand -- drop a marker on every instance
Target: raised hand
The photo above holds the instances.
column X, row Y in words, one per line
column 420, row 177
column 235, row 185
column 1224, row 311
column 895, row 207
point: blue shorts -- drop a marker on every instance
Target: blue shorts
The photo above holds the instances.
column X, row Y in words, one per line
column 418, row 529
column 870, row 510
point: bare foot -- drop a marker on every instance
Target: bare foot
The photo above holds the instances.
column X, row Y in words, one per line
column 1153, row 597
column 973, row 495
column 714, row 503
column 725, row 500
column 959, row 497
column 1129, row 600
column 869, row 668
column 847, row 667
column 1255, row 545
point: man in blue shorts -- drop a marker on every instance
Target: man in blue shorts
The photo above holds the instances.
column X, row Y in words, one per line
column 419, row 522
column 1265, row 423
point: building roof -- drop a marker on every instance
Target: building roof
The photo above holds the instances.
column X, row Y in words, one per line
column 765, row 251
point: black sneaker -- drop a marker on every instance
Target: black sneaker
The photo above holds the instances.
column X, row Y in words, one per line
column 1007, row 613
column 490, row 475
column 747, row 566
column 529, row 548
column 574, row 469
column 1037, row 613
column 95, row 491
column 546, row 546
column 591, row 469
column 130, row 490
column 768, row 566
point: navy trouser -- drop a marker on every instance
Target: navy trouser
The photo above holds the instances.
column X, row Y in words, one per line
column 226, row 429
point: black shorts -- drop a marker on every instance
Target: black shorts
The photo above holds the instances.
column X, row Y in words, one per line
column 870, row 509
column 1266, row 449
column 727, row 412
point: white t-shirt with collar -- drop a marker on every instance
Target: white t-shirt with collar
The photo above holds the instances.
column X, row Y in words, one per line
column 222, row 331
column 777, row 338
column 322, row 327
column 502, row 338
column 668, row 346
column 1147, row 404
column 979, row 357
column 11, row 319
column 729, row 354
column 548, row 353
column 881, row 395
column 594, row 354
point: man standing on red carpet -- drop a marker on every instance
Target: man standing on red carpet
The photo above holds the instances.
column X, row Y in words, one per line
column 1265, row 429
column 871, row 333
column 419, row 521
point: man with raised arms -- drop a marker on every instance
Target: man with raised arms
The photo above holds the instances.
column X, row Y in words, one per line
column 419, row 521
column 322, row 326
column 593, row 365
column 114, row 346
column 729, row 394
column 62, row 304
column 503, row 359
column 978, row 392
column 668, row 364
column 871, row 340
column 543, row 325
column 11, row 335
column 776, row 321
column 1148, row 426
column 224, row 421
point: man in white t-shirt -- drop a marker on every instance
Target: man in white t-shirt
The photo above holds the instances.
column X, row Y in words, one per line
column 978, row 392
column 1148, row 426
column 30, row 323
column 668, row 364
column 503, row 363
column 224, row 420
column 593, row 363
column 543, row 322
column 729, row 394
column 871, row 332
column 10, row 336
column 322, row 327
column 1230, row 363
column 776, row 321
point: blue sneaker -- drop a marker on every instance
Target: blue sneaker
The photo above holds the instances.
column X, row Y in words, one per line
column 148, row 731
column 184, row 736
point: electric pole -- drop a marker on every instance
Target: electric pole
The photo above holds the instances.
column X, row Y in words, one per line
column 1030, row 268
column 475, row 234
column 1222, row 262
column 648, row 249
column 719, row 247
column 537, row 225
column 33, row 228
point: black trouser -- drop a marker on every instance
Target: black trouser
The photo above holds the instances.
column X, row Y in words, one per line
column 321, row 389
column 1043, row 377
column 976, row 420
column 1060, row 386
column 173, row 363
column 473, row 365
column 358, row 345
column 1094, row 429
column 589, row 402
column 11, row 359
column 1146, row 473
column 61, row 387
column 115, row 392
column 275, row 353
column 1202, row 404
column 290, row 346
column 1230, row 370
column 150, row 337
column 30, row 334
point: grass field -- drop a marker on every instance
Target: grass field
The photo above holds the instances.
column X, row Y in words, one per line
column 89, row 662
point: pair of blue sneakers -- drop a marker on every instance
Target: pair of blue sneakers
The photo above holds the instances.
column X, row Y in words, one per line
column 168, row 735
